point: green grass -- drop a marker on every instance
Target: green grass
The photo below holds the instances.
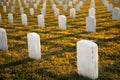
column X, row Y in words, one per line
column 58, row 47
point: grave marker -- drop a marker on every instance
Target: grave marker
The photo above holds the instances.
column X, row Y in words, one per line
column 72, row 13
column 116, row 14
column 24, row 19
column 41, row 21
column 87, row 59
column 31, row 11
column 62, row 22
column 56, row 12
column 90, row 24
column 92, row 12
column 34, row 48
column 3, row 40
column 10, row 18
column 4, row 9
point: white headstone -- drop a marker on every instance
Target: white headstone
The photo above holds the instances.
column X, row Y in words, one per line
column 3, row 40
column 34, row 48
column 1, row 3
column 90, row 24
column 30, row 1
column 60, row 3
column 27, row 5
column 35, row 6
column 92, row 12
column 21, row 10
column 92, row 5
column 56, row 12
column 31, row 11
column 81, row 3
column 43, row 11
column 74, row 1
column 62, row 22
column 72, row 13
column 116, row 14
column 106, row 3
column 87, row 59
column 4, row 9
column 78, row 7
column 10, row 18
column 41, row 21
column 109, row 7
column 7, row 3
column 65, row 7
column 53, row 6
column 70, row 4
column 12, row 9
column 24, row 19
column 44, row 5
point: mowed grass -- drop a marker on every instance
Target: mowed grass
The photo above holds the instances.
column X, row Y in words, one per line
column 58, row 47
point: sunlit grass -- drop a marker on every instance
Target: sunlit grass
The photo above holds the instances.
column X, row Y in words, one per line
column 58, row 47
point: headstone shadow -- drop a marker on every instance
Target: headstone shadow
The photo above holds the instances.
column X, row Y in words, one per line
column 15, row 63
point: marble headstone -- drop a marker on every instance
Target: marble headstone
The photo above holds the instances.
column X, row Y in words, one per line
column 87, row 59
column 90, row 24
column 34, row 48
column 41, row 21
column 10, row 18
column 72, row 13
column 24, row 19
column 3, row 40
column 62, row 22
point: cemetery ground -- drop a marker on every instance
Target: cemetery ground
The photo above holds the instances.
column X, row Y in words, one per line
column 58, row 47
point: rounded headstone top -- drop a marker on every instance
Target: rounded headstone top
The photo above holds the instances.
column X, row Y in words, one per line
column 87, row 42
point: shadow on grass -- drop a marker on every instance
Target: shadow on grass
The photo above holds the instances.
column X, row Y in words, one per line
column 110, row 70
column 108, row 27
column 16, row 63
column 55, row 76
column 104, row 41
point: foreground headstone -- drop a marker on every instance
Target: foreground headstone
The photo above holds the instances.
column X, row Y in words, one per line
column 10, row 18
column 24, row 19
column 72, row 13
column 3, row 40
column 90, row 24
column 62, row 22
column 87, row 59
column 34, row 48
column 41, row 21
column 116, row 14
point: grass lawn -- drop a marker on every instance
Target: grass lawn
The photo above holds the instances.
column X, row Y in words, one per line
column 58, row 47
